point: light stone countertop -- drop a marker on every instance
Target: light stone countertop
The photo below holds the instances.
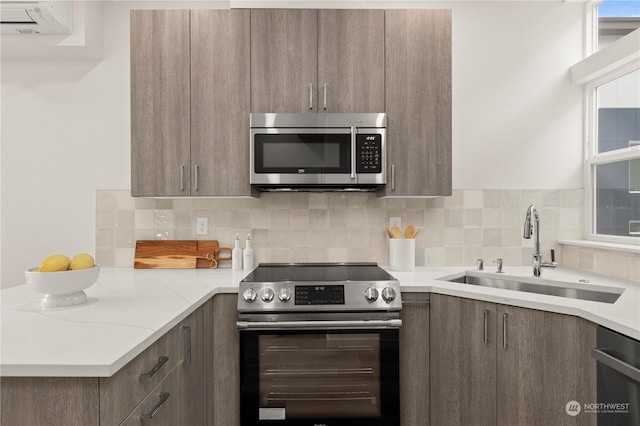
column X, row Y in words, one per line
column 129, row 309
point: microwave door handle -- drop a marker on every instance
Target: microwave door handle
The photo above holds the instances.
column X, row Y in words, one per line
column 353, row 152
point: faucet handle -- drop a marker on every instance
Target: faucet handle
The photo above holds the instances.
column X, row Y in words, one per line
column 553, row 263
column 498, row 263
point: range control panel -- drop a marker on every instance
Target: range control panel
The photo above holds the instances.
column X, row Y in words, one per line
column 300, row 297
column 368, row 153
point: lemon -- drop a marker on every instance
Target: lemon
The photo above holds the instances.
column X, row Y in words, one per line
column 54, row 263
column 82, row 261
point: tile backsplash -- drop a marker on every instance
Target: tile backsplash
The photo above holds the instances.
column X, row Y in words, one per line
column 319, row 227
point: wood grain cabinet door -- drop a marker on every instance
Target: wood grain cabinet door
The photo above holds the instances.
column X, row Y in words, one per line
column 50, row 401
column 418, row 102
column 350, row 60
column 544, row 362
column 284, row 60
column 160, row 103
column 414, row 360
column 192, row 361
column 222, row 367
column 220, row 96
column 463, row 362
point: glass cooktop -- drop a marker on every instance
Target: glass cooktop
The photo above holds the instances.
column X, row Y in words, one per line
column 318, row 272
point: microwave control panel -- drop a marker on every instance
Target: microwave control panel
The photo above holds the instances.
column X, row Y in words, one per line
column 368, row 153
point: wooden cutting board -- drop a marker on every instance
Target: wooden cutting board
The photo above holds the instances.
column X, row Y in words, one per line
column 179, row 254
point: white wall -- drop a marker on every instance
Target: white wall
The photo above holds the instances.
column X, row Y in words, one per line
column 517, row 120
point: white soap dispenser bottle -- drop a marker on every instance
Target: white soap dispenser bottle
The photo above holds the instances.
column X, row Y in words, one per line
column 247, row 257
column 236, row 255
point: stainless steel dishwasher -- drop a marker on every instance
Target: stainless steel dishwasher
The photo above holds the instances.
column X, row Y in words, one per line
column 618, row 359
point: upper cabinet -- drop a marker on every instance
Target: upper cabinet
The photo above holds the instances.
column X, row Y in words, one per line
column 189, row 102
column 220, row 93
column 317, row 61
column 418, row 102
column 350, row 60
column 196, row 76
column 160, row 103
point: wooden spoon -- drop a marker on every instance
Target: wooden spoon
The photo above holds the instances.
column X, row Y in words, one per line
column 388, row 231
column 395, row 231
column 408, row 232
column 417, row 233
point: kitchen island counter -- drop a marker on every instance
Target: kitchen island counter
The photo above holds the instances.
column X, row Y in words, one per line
column 129, row 309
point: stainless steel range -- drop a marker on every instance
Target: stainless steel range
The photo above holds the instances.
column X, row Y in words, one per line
column 319, row 345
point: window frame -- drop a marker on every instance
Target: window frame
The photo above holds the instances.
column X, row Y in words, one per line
column 592, row 157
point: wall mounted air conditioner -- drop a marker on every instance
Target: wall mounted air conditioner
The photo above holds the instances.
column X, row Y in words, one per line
column 36, row 17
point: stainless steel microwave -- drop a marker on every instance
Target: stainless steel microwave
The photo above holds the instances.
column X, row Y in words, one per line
column 318, row 152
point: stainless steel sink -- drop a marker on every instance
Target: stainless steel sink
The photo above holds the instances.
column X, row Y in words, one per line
column 582, row 291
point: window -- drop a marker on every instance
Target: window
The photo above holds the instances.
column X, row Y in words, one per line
column 614, row 160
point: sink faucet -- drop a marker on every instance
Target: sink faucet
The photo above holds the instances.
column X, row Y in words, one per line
column 530, row 227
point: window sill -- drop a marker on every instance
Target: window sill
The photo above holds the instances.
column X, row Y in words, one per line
column 627, row 248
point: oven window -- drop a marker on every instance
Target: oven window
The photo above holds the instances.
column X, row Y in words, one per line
column 302, row 153
column 320, row 375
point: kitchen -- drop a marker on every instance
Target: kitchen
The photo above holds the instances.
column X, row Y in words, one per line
column 515, row 111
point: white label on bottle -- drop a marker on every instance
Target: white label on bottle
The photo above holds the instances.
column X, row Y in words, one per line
column 271, row 414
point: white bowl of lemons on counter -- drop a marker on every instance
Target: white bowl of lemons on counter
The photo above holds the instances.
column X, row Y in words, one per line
column 62, row 279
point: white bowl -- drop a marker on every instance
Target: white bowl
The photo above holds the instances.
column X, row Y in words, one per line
column 63, row 288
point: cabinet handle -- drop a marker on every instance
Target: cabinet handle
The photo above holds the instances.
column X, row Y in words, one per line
column 486, row 326
column 353, row 152
column 324, row 102
column 162, row 360
column 187, row 352
column 196, row 177
column 311, row 96
column 163, row 398
column 504, row 330
column 182, row 177
column 393, row 177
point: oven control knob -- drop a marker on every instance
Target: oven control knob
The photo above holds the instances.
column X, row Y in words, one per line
column 371, row 294
column 388, row 294
column 267, row 294
column 249, row 295
column 284, row 294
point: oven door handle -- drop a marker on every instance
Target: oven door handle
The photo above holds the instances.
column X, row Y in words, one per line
column 620, row 366
column 318, row 325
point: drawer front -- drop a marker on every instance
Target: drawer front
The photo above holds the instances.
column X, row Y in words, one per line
column 122, row 392
column 162, row 406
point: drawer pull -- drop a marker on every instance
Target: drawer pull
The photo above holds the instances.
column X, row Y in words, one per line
column 163, row 398
column 161, row 361
column 504, row 330
column 486, row 326
column 187, row 351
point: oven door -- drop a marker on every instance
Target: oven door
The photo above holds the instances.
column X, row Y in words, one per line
column 313, row 377
column 301, row 156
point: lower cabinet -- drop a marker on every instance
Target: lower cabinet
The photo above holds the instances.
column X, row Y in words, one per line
column 164, row 385
column 222, row 369
column 191, row 338
column 414, row 360
column 494, row 364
